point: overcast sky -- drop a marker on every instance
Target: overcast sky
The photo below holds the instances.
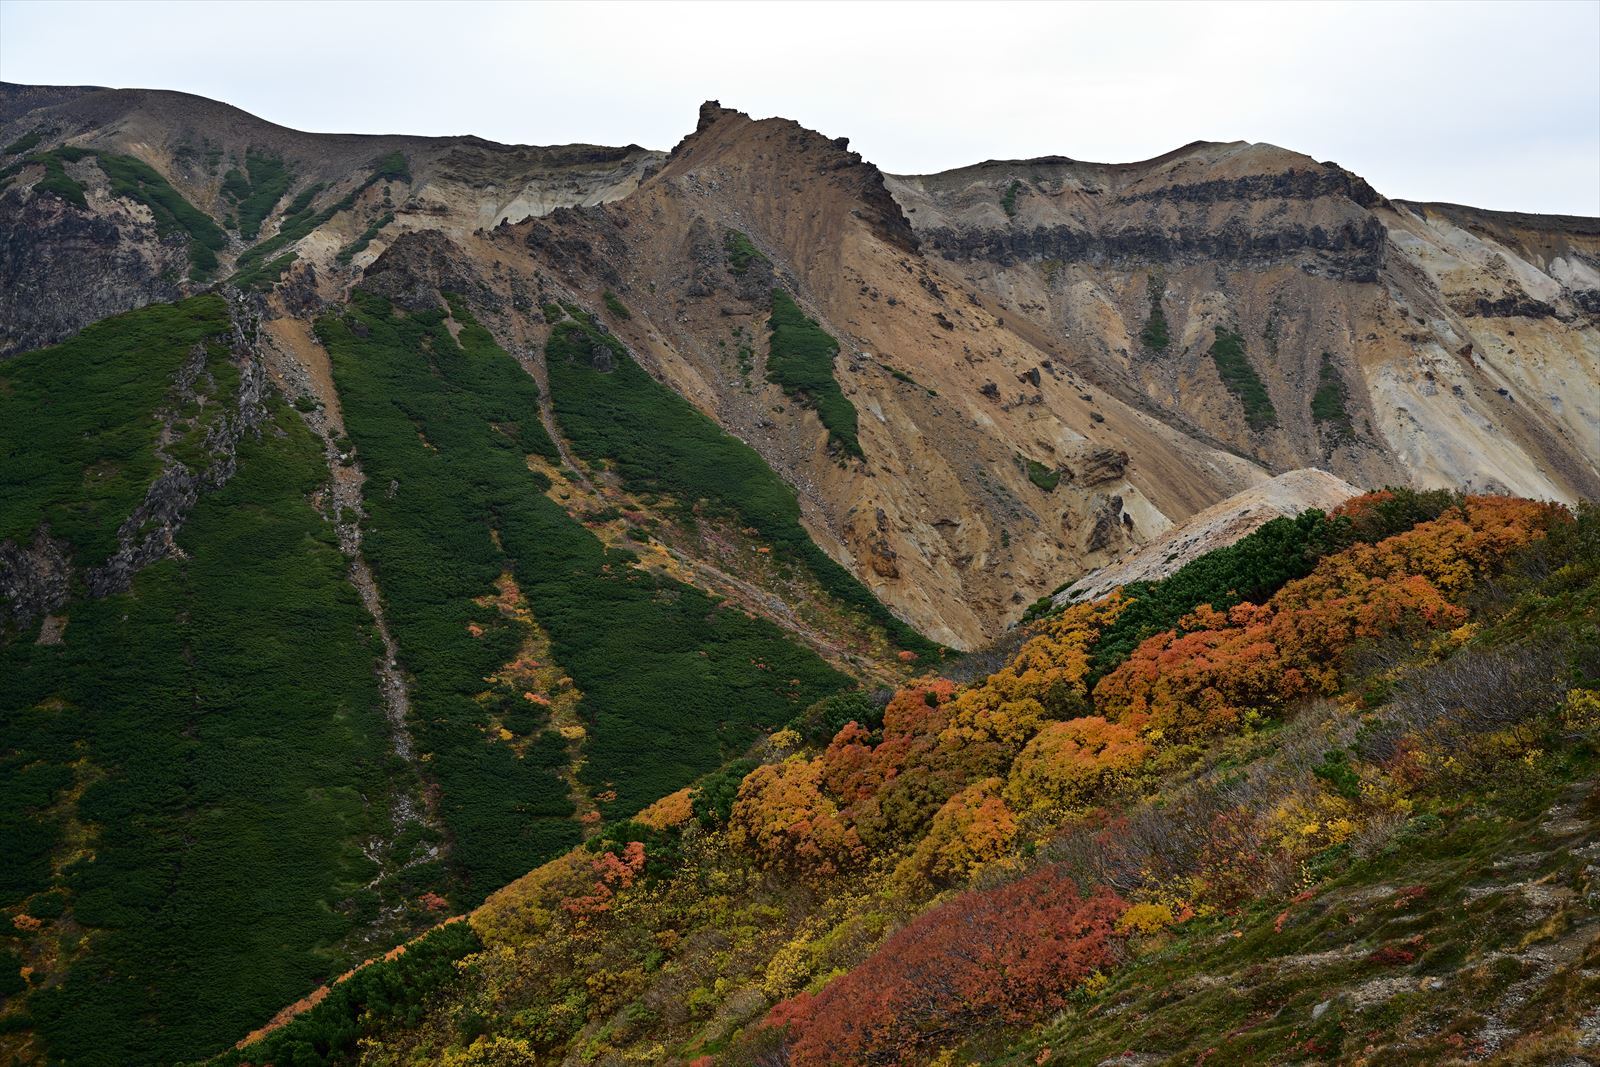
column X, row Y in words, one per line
column 1495, row 105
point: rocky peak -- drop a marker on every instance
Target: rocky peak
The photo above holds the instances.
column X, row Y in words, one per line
column 712, row 111
column 762, row 156
column 419, row 266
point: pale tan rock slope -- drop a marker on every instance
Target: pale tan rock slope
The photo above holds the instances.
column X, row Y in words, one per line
column 1218, row 526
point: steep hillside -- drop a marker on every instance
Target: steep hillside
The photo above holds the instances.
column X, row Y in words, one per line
column 1284, row 308
column 943, row 459
column 200, row 811
column 262, row 716
column 1018, row 371
column 1350, row 821
column 385, row 518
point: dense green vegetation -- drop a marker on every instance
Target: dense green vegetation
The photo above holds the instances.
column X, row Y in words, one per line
column 660, row 443
column 615, row 305
column 57, row 182
column 1330, row 403
column 1154, row 336
column 266, row 275
column 391, row 168
column 1008, row 202
column 448, row 428
column 801, row 360
column 218, row 726
column 1252, row 568
column 1241, row 379
column 742, row 252
column 26, row 143
column 359, row 245
column 256, row 191
column 383, row 994
column 661, row 667
column 1046, row 478
column 79, row 459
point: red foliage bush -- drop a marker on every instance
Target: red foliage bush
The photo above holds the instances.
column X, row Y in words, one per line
column 1392, row 956
column 1011, row 955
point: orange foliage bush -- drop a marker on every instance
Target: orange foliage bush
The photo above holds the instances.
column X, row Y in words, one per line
column 1007, row 955
column 613, row 873
column 892, row 789
column 783, row 817
column 1204, row 676
column 974, row 827
column 1068, row 761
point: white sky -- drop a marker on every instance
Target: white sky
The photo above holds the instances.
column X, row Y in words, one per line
column 1495, row 105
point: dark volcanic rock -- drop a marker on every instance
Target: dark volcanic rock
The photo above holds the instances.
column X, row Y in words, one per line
column 1105, row 524
column 1287, row 185
column 1354, row 251
column 1101, row 465
column 419, row 266
column 62, row 268
column 1511, row 306
column 34, row 581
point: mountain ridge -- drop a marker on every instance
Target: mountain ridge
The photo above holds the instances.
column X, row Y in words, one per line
column 619, row 484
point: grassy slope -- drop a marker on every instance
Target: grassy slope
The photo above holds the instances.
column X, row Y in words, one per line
column 1473, row 921
column 659, row 442
column 662, row 668
column 80, row 458
column 218, row 728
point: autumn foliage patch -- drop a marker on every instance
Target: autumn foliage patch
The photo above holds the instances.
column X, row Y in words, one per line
column 1005, row 955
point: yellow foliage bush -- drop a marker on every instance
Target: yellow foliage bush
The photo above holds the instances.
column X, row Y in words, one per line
column 975, row 827
column 492, row 1052
column 1315, row 821
column 789, row 969
column 674, row 809
column 1145, row 919
column 1044, row 680
column 1582, row 710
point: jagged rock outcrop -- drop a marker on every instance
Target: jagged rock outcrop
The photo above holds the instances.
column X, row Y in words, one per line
column 35, row 579
column 419, row 266
column 63, row 267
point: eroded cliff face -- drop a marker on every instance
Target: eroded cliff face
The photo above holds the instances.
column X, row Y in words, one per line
column 63, row 267
column 1383, row 336
column 940, row 517
column 1051, row 362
